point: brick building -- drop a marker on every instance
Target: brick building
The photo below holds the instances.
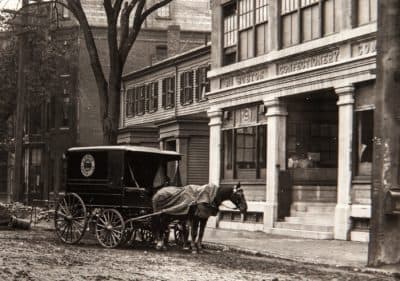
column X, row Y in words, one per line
column 69, row 117
column 291, row 106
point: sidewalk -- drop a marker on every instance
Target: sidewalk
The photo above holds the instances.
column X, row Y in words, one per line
column 327, row 252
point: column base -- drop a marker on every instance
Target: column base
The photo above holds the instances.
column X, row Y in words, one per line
column 270, row 215
column 342, row 222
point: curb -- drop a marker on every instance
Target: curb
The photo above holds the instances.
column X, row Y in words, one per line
column 222, row 247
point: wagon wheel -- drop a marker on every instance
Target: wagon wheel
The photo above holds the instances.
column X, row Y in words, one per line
column 179, row 234
column 110, row 228
column 70, row 218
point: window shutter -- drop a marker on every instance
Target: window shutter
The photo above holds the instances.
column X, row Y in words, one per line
column 198, row 83
column 182, row 88
column 155, row 96
column 172, row 91
column 164, row 92
column 208, row 89
column 191, row 85
column 128, row 97
column 134, row 106
column 147, row 98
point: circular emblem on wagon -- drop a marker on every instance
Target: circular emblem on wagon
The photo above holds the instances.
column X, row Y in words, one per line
column 87, row 165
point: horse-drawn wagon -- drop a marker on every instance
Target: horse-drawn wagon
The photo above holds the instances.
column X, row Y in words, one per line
column 107, row 187
column 125, row 193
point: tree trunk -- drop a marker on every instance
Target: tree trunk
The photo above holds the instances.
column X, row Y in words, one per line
column 111, row 115
column 384, row 247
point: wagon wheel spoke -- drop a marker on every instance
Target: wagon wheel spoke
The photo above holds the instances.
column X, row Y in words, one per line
column 110, row 227
column 70, row 218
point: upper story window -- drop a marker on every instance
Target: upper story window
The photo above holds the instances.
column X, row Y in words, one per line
column 186, row 89
column 168, row 92
column 305, row 20
column 152, row 97
column 164, row 12
column 140, row 98
column 130, row 97
column 202, row 82
column 245, row 29
column 367, row 11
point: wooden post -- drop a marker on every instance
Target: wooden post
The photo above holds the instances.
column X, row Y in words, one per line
column 384, row 246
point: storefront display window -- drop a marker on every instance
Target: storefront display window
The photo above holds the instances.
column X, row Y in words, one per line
column 244, row 144
column 364, row 143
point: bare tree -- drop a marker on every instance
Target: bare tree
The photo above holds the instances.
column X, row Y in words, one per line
column 124, row 21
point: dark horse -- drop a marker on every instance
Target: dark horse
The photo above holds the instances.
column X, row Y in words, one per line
column 197, row 217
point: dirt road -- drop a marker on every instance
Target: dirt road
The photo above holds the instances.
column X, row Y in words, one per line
column 37, row 255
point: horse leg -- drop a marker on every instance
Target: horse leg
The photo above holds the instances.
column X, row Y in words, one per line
column 194, row 227
column 185, row 234
column 203, row 223
column 158, row 226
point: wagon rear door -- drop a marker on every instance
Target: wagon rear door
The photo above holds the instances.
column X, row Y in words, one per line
column 96, row 176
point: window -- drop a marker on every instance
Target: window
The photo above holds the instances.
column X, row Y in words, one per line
column 186, row 90
column 252, row 30
column 152, row 97
column 202, row 83
column 364, row 141
column 129, row 104
column 305, row 20
column 230, row 33
column 140, row 96
column 51, row 112
column 244, row 144
column 161, row 52
column 66, row 101
column 35, row 118
column 164, row 12
column 366, row 11
column 3, row 171
column 168, row 92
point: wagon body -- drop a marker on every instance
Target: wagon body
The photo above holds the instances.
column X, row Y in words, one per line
column 109, row 186
column 117, row 176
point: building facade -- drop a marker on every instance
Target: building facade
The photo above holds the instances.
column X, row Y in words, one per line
column 291, row 113
column 165, row 106
column 69, row 116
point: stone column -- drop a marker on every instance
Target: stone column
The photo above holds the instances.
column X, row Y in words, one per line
column 215, row 124
column 276, row 153
column 344, row 177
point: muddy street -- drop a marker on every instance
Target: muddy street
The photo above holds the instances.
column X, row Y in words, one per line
column 38, row 255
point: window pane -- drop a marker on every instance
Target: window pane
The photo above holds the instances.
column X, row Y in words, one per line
column 329, row 17
column 363, row 11
column 262, row 37
column 374, row 10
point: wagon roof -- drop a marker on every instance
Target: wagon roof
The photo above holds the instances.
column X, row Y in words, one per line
column 130, row 148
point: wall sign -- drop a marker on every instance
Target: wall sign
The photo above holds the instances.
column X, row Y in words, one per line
column 87, row 165
column 246, row 78
column 309, row 62
column 363, row 48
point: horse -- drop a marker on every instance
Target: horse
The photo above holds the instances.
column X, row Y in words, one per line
column 197, row 216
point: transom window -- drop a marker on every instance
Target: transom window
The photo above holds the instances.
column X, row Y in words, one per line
column 164, row 12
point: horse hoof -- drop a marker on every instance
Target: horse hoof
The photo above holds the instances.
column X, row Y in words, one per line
column 186, row 248
column 194, row 252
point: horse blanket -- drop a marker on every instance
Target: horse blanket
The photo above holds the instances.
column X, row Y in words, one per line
column 175, row 200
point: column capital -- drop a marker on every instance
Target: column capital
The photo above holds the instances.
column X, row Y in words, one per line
column 215, row 115
column 345, row 94
column 275, row 107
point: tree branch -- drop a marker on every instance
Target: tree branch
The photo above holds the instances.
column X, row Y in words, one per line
column 154, row 7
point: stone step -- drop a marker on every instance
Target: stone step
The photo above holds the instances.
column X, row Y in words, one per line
column 312, row 214
column 309, row 227
column 317, row 219
column 321, row 235
column 313, row 207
